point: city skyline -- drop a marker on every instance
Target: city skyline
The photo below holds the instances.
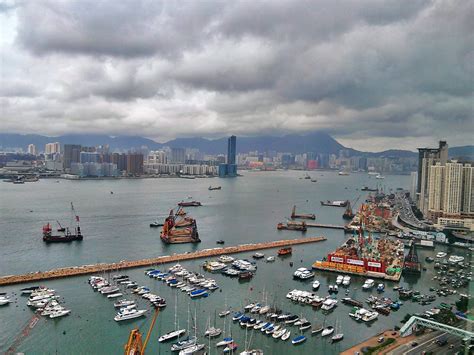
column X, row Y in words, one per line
column 374, row 75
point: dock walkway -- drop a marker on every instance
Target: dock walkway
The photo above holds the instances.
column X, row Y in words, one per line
column 98, row 268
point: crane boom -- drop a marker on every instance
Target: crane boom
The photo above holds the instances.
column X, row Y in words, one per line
column 134, row 345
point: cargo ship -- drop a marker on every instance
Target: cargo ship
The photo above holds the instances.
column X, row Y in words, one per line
column 178, row 229
column 67, row 235
column 411, row 264
column 334, row 203
column 189, row 204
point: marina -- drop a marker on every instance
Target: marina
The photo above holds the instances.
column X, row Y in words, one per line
column 271, row 278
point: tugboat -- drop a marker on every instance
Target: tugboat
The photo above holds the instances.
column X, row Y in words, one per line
column 348, row 213
column 68, row 236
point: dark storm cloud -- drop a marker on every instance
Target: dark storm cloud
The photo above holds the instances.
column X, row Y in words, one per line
column 360, row 70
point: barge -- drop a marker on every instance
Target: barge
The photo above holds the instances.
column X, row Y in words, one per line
column 294, row 215
column 67, row 235
column 178, row 230
column 335, row 203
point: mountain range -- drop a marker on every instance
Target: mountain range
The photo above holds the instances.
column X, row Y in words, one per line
column 318, row 142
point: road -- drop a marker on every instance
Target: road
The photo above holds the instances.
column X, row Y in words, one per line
column 426, row 343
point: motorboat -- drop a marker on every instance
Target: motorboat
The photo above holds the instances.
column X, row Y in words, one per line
column 455, row 259
column 129, row 314
column 264, row 310
column 60, row 313
column 279, row 333
column 29, row 290
column 249, row 306
column 258, row 255
column 270, row 259
column 298, row 340
column 339, row 279
column 252, row 352
column 305, row 325
column 225, row 259
column 224, row 313
column 327, row 331
column 286, row 335
column 369, row 283
column 115, row 295
column 317, row 329
column 198, row 293
column 329, row 304
column 4, row 300
column 237, row 316
column 171, row 335
column 346, row 280
column 316, row 284
column 441, row 254
column 380, row 287
column 337, row 337
column 183, row 344
column 291, row 319
column 123, row 303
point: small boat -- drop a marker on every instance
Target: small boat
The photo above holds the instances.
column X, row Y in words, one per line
column 130, row 314
column 171, row 335
column 192, row 349
column 441, row 254
column 286, row 335
column 285, row 251
column 224, row 313
column 230, row 348
column 183, row 344
column 213, row 332
column 305, row 325
column 29, row 290
column 198, row 293
column 258, row 255
column 225, row 342
column 156, row 224
column 4, row 300
column 369, row 283
column 317, row 329
column 220, row 241
column 316, row 284
column 270, row 259
column 212, row 188
column 115, row 295
column 237, row 316
column 298, row 340
column 327, row 331
column 337, row 337
column 60, row 313
column 380, row 287
column 246, row 275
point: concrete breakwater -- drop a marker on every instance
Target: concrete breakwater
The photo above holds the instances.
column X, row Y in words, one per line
column 103, row 267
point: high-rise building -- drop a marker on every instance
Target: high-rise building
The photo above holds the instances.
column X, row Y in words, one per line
column 450, row 190
column 231, row 149
column 90, row 157
column 467, row 187
column 52, row 148
column 134, row 164
column 229, row 169
column 413, row 182
column 120, row 160
column 31, row 149
column 426, row 158
column 178, row 155
column 71, row 154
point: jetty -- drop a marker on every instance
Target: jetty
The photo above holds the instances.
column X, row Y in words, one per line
column 104, row 267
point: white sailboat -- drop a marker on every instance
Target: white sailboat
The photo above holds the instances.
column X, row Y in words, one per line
column 174, row 333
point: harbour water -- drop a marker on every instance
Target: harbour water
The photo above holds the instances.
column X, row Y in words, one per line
column 116, row 227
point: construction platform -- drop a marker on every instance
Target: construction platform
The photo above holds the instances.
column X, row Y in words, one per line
column 98, row 268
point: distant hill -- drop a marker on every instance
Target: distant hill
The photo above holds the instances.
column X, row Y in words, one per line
column 318, row 142
column 116, row 143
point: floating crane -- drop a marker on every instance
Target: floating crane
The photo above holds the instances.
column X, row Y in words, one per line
column 134, row 345
column 301, row 216
column 348, row 213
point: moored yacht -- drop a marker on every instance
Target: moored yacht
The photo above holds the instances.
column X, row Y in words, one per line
column 129, row 314
column 171, row 335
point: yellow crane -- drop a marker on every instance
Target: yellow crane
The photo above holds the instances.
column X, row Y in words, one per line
column 134, row 345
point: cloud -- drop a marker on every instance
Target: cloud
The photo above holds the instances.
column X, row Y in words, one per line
column 366, row 71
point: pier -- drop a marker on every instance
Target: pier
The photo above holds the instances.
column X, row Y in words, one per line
column 103, row 267
column 319, row 225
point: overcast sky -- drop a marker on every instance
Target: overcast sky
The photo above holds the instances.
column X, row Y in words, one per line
column 375, row 74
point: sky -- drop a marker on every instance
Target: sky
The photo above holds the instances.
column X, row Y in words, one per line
column 375, row 74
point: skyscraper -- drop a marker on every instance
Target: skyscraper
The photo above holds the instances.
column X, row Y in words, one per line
column 134, row 164
column 178, row 155
column 231, row 149
column 229, row 169
column 71, row 154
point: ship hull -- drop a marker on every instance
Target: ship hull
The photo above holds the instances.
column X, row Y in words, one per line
column 59, row 239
